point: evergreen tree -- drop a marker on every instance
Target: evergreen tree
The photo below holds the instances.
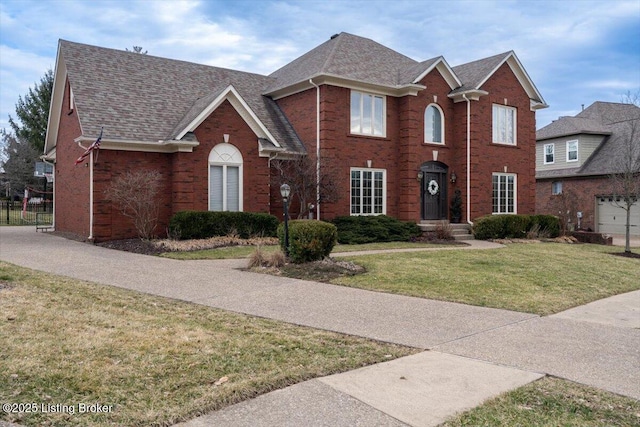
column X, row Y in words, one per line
column 32, row 113
column 19, row 164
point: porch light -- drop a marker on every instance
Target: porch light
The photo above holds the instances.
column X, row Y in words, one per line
column 285, row 192
column 420, row 176
column 454, row 177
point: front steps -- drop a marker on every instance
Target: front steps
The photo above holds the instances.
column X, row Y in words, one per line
column 459, row 231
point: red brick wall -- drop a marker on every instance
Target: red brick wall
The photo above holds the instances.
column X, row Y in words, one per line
column 71, row 181
column 403, row 150
column 184, row 176
column 488, row 157
column 584, row 191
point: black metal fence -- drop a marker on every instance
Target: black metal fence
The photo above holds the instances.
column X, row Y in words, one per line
column 34, row 212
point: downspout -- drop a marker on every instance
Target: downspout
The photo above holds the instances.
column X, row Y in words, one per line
column 90, row 191
column 317, row 148
column 464, row 95
column 91, row 196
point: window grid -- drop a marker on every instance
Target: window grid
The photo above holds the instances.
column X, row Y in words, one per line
column 367, row 192
column 504, row 193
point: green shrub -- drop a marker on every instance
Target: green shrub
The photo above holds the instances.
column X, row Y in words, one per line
column 488, row 227
column 309, row 240
column 204, row 224
column 353, row 230
column 514, row 226
column 549, row 224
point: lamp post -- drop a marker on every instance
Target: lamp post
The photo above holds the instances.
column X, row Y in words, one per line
column 285, row 191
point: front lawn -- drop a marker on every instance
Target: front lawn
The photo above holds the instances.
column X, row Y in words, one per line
column 541, row 278
column 552, row 402
column 155, row 361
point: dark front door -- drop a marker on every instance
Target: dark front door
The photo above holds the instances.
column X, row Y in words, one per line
column 434, row 190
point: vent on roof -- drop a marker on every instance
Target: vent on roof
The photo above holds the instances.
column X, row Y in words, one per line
column 334, row 36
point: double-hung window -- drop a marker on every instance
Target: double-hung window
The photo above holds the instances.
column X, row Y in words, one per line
column 556, row 188
column 225, row 178
column 504, row 193
column 504, row 125
column 549, row 153
column 367, row 114
column 572, row 151
column 368, row 191
column 433, row 125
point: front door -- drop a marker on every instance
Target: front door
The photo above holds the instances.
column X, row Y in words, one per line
column 434, row 190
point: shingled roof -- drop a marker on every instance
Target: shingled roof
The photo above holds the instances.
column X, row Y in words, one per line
column 617, row 123
column 145, row 98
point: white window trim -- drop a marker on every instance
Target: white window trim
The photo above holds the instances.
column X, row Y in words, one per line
column 555, row 184
column 515, row 193
column 384, row 192
column 553, row 153
column 384, row 114
column 226, row 155
column 577, row 150
column 515, row 125
column 442, row 126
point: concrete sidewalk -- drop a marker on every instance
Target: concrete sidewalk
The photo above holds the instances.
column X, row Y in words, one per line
column 475, row 354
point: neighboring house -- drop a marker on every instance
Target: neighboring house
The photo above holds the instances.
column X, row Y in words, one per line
column 396, row 136
column 575, row 159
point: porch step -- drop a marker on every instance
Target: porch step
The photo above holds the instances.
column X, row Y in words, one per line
column 459, row 231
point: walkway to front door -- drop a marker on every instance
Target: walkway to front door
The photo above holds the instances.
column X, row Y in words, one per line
column 434, row 190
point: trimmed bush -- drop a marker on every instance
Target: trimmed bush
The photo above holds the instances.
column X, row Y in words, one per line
column 353, row 230
column 514, row 226
column 309, row 240
column 204, row 224
column 549, row 224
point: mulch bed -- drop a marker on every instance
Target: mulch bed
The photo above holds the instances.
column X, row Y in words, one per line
column 137, row 246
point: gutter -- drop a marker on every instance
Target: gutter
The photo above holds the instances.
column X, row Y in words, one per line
column 464, row 96
column 53, row 199
column 317, row 148
column 90, row 238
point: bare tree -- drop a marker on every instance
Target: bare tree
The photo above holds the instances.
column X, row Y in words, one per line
column 137, row 49
column 135, row 195
column 566, row 207
column 625, row 181
column 301, row 175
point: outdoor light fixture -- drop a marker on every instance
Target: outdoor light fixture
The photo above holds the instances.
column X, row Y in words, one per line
column 453, row 177
column 420, row 175
column 285, row 191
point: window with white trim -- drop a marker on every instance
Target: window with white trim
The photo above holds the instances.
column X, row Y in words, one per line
column 556, row 188
column 572, row 151
column 225, row 178
column 504, row 125
column 433, row 125
column 368, row 191
column 367, row 114
column 549, row 153
column 504, row 193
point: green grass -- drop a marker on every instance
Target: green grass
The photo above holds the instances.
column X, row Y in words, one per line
column 541, row 278
column 551, row 402
column 157, row 361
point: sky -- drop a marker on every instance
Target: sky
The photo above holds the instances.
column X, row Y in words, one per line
column 576, row 52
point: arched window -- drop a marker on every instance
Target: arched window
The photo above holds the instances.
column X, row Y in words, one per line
column 433, row 125
column 225, row 178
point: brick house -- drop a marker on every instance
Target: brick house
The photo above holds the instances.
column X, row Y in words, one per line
column 398, row 136
column 575, row 157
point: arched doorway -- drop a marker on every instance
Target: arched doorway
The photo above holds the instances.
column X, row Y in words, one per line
column 433, row 191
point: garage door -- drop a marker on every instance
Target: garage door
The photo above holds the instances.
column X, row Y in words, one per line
column 612, row 219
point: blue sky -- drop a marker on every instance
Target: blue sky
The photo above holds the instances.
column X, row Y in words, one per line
column 576, row 52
